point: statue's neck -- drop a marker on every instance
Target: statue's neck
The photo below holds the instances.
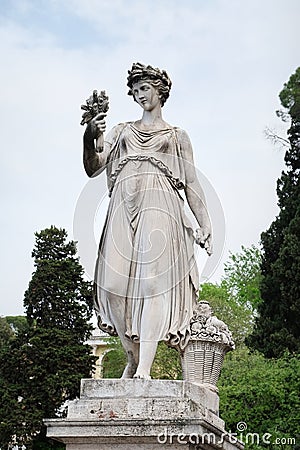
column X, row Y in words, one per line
column 152, row 117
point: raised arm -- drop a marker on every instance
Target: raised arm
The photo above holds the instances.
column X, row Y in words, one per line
column 95, row 156
column 195, row 195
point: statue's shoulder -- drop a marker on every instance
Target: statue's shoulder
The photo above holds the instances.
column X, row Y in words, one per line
column 182, row 136
column 115, row 132
column 120, row 127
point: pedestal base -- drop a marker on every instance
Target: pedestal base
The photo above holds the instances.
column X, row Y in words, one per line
column 137, row 414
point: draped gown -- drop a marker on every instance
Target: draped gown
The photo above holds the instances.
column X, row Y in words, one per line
column 146, row 255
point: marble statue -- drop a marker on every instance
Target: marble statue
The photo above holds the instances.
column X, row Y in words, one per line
column 146, row 279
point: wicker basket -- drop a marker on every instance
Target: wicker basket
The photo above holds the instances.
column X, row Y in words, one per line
column 202, row 361
column 209, row 341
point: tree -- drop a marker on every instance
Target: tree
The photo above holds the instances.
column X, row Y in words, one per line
column 6, row 332
column 236, row 298
column 115, row 360
column 18, row 324
column 263, row 394
column 277, row 326
column 57, row 296
column 243, row 276
column 43, row 365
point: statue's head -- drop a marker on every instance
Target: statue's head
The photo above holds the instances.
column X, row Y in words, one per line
column 156, row 77
column 204, row 308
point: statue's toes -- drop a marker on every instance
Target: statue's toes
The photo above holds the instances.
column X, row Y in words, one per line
column 142, row 376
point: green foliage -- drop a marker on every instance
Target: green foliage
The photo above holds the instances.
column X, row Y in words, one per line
column 114, row 361
column 6, row 332
column 243, row 276
column 264, row 393
column 237, row 317
column 277, row 326
column 236, row 298
column 42, row 366
column 51, row 245
column 290, row 94
column 57, row 295
column 18, row 324
column 166, row 365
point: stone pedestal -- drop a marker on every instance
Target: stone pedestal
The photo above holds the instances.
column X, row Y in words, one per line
column 137, row 414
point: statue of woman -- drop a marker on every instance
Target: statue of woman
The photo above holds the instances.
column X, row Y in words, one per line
column 146, row 279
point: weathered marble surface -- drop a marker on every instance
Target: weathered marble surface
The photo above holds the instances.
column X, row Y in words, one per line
column 146, row 279
column 140, row 414
column 210, row 340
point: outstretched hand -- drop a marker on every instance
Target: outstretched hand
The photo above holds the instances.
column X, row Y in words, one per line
column 204, row 239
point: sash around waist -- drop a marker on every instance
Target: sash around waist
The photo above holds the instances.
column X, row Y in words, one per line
column 177, row 183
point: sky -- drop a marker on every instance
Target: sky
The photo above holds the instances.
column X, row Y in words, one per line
column 228, row 61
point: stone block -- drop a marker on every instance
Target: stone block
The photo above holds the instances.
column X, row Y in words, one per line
column 135, row 414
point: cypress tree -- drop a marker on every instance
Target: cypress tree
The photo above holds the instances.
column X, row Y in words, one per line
column 43, row 366
column 277, row 326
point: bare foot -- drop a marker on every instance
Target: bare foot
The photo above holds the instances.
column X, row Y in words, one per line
column 129, row 371
column 142, row 375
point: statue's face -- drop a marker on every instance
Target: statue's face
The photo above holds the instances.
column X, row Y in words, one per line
column 145, row 95
column 205, row 309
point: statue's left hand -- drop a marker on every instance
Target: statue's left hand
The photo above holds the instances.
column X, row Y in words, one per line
column 204, row 239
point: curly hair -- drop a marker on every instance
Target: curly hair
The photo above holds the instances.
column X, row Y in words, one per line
column 156, row 77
